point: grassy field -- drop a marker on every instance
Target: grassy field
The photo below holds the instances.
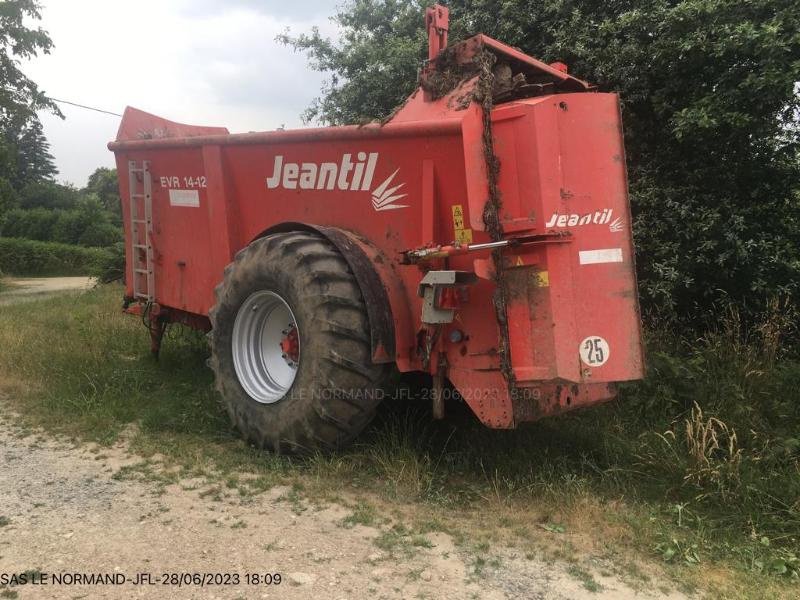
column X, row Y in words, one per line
column 696, row 470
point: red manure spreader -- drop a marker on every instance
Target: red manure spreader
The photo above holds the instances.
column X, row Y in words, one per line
column 481, row 234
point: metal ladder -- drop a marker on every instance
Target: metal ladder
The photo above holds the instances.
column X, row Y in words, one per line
column 141, row 196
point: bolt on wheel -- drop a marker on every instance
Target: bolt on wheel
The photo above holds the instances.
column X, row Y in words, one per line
column 265, row 346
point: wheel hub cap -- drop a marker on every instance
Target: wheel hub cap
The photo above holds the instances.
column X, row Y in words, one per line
column 290, row 345
column 265, row 346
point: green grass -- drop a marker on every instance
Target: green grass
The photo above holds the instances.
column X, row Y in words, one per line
column 363, row 514
column 400, row 540
column 696, row 469
column 586, row 578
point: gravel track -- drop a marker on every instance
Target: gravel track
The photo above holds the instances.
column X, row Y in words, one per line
column 27, row 289
column 63, row 510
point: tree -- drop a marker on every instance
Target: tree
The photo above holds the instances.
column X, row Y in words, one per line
column 709, row 104
column 19, row 96
column 105, row 185
column 373, row 67
column 49, row 195
column 8, row 198
column 24, row 151
column 32, row 161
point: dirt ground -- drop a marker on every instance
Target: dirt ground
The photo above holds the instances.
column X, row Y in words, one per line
column 23, row 289
column 62, row 510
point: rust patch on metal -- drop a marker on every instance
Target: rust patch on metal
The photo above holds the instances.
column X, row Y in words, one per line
column 446, row 72
column 483, row 95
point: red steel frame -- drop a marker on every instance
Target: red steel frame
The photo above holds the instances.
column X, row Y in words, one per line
column 552, row 319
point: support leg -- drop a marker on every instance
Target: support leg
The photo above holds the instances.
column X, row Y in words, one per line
column 438, row 386
column 158, row 326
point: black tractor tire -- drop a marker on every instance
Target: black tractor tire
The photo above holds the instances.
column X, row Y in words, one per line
column 336, row 387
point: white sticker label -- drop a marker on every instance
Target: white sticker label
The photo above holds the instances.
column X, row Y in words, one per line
column 594, row 351
column 184, row 198
column 606, row 255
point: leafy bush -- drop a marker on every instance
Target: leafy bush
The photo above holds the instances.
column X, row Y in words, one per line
column 111, row 267
column 33, row 224
column 29, row 257
column 48, row 194
column 715, row 422
column 88, row 224
column 100, row 235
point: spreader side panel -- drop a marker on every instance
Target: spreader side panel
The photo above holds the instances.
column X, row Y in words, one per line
column 572, row 301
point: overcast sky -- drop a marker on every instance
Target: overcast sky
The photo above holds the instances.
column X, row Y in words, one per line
column 201, row 62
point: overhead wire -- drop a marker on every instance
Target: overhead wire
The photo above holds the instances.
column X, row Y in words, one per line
column 100, row 110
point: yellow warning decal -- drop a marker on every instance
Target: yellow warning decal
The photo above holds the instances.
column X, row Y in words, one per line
column 458, row 217
column 464, row 236
column 542, row 279
column 519, row 262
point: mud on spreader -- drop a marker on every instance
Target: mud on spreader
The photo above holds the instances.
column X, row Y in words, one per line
column 482, row 234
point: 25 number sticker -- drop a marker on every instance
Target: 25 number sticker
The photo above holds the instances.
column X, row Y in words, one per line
column 594, row 351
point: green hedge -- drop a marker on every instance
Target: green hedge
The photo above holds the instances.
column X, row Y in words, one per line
column 31, row 258
column 85, row 226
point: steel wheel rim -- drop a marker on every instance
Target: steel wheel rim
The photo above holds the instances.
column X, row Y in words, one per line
column 266, row 347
